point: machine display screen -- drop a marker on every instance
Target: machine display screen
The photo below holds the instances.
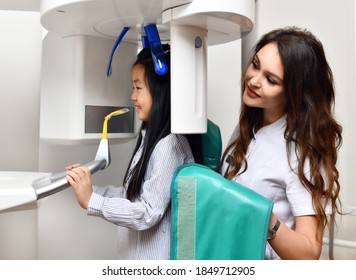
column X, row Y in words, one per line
column 94, row 119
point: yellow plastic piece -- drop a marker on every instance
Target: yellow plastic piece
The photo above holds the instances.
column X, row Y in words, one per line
column 107, row 118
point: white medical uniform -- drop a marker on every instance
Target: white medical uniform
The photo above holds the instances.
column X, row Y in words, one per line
column 269, row 174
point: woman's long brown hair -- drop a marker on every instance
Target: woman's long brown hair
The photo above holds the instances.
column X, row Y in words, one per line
column 311, row 124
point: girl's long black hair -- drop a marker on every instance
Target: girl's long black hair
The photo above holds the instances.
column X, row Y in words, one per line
column 159, row 124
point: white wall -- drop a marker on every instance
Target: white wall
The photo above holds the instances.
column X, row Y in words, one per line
column 20, row 56
column 224, row 72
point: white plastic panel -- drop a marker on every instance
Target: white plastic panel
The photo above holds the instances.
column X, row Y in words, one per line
column 214, row 22
column 16, row 188
column 226, row 20
column 104, row 17
column 188, row 79
column 74, row 76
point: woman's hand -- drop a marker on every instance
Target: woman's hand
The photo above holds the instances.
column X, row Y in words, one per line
column 79, row 177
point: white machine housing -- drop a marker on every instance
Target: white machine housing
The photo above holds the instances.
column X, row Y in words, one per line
column 82, row 33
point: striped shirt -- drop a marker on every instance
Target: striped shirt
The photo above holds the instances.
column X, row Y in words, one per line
column 144, row 224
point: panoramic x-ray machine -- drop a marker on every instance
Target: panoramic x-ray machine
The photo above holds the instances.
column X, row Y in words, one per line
column 87, row 55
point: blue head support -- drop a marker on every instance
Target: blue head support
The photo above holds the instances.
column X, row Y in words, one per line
column 155, row 45
column 117, row 43
column 145, row 42
column 152, row 41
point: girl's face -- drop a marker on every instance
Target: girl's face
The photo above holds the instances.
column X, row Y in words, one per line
column 264, row 83
column 141, row 96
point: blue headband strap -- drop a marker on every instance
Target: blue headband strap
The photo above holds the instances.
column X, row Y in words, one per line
column 117, row 43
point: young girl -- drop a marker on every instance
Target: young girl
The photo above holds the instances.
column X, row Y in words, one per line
column 285, row 145
column 141, row 208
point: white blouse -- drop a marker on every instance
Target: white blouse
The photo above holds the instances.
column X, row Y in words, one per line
column 270, row 175
column 144, row 224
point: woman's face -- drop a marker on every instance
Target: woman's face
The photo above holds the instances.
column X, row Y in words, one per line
column 264, row 83
column 141, row 96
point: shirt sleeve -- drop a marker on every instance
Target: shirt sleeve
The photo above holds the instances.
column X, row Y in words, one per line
column 148, row 209
column 109, row 191
column 300, row 199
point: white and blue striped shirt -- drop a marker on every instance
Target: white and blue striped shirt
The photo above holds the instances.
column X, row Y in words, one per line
column 144, row 224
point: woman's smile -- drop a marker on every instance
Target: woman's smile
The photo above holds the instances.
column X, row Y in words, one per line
column 251, row 93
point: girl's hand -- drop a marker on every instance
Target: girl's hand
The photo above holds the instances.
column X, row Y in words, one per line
column 70, row 167
column 79, row 177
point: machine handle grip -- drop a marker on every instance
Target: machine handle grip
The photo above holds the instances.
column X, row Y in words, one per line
column 53, row 183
